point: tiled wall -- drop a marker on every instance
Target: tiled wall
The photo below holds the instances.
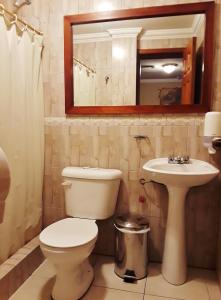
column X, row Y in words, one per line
column 96, row 55
column 68, row 142
column 124, row 70
column 109, row 142
column 120, row 89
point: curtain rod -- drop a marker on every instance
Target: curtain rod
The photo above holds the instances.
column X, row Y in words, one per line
column 3, row 10
column 81, row 63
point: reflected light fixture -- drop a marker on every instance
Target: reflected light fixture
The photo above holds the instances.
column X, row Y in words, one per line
column 105, row 6
column 169, row 68
column 147, row 67
column 118, row 52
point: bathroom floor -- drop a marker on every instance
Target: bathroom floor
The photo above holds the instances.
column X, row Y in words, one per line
column 201, row 285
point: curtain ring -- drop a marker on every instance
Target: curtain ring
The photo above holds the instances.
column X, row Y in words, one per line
column 2, row 9
column 15, row 19
column 25, row 28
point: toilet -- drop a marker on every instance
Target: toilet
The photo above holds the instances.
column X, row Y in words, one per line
column 90, row 195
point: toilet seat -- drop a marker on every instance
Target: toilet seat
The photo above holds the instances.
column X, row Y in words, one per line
column 69, row 232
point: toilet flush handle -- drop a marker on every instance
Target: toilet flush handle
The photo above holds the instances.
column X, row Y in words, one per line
column 66, row 183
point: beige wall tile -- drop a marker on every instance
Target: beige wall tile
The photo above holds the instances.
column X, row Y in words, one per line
column 74, row 141
column 106, row 142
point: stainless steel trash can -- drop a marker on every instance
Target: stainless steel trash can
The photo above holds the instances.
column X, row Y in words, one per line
column 131, row 247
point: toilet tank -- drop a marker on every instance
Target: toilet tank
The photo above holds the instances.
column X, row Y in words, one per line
column 91, row 192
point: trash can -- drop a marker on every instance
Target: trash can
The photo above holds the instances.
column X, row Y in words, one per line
column 131, row 247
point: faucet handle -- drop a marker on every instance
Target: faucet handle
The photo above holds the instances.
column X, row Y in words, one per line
column 178, row 158
column 186, row 158
column 170, row 158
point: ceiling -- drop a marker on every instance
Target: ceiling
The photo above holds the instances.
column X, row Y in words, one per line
column 172, row 22
column 157, row 72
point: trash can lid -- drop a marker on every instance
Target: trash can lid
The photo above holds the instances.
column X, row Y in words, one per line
column 131, row 221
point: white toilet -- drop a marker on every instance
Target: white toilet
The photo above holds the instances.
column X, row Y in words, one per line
column 90, row 195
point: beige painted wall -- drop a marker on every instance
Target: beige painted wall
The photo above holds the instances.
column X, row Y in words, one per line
column 108, row 142
column 163, row 43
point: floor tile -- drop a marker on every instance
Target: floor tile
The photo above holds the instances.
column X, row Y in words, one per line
column 214, row 291
column 201, row 285
column 101, row 293
column 150, row 297
column 46, row 270
column 38, row 286
column 105, row 277
column 35, row 292
column 194, row 289
column 210, row 279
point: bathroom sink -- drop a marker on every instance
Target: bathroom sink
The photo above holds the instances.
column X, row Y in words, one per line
column 196, row 172
column 178, row 178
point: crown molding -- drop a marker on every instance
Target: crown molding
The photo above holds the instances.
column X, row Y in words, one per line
column 154, row 34
column 177, row 33
column 124, row 32
column 91, row 37
column 106, row 36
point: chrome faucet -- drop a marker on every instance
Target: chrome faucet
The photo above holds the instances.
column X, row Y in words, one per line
column 178, row 159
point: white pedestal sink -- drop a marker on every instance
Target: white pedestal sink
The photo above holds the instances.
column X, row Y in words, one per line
column 178, row 178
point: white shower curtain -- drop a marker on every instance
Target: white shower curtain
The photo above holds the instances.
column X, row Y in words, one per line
column 21, row 135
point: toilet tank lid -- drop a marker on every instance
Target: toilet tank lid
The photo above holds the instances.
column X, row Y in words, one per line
column 91, row 173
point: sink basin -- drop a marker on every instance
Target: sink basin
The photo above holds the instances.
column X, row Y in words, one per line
column 178, row 178
column 197, row 172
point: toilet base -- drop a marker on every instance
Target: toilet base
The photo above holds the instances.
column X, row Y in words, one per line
column 73, row 284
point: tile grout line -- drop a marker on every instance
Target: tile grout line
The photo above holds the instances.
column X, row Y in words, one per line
column 145, row 286
column 207, row 290
column 166, row 297
column 139, row 293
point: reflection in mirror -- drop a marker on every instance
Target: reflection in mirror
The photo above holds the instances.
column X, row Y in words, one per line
column 152, row 61
column 161, row 75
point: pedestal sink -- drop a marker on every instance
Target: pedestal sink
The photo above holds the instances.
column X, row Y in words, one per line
column 178, row 178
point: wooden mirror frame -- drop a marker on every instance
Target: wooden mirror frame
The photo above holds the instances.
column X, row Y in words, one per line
column 206, row 8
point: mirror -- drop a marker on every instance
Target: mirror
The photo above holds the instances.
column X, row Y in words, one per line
column 106, row 56
column 139, row 60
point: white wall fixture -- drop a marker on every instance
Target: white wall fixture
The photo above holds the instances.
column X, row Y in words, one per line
column 19, row 3
column 212, row 131
column 4, row 179
column 178, row 177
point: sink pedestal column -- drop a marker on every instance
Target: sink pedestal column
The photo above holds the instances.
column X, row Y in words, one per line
column 174, row 268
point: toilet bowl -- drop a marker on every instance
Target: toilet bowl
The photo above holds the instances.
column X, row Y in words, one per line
column 90, row 195
column 67, row 244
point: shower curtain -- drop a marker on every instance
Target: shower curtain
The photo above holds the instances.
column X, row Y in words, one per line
column 21, row 134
